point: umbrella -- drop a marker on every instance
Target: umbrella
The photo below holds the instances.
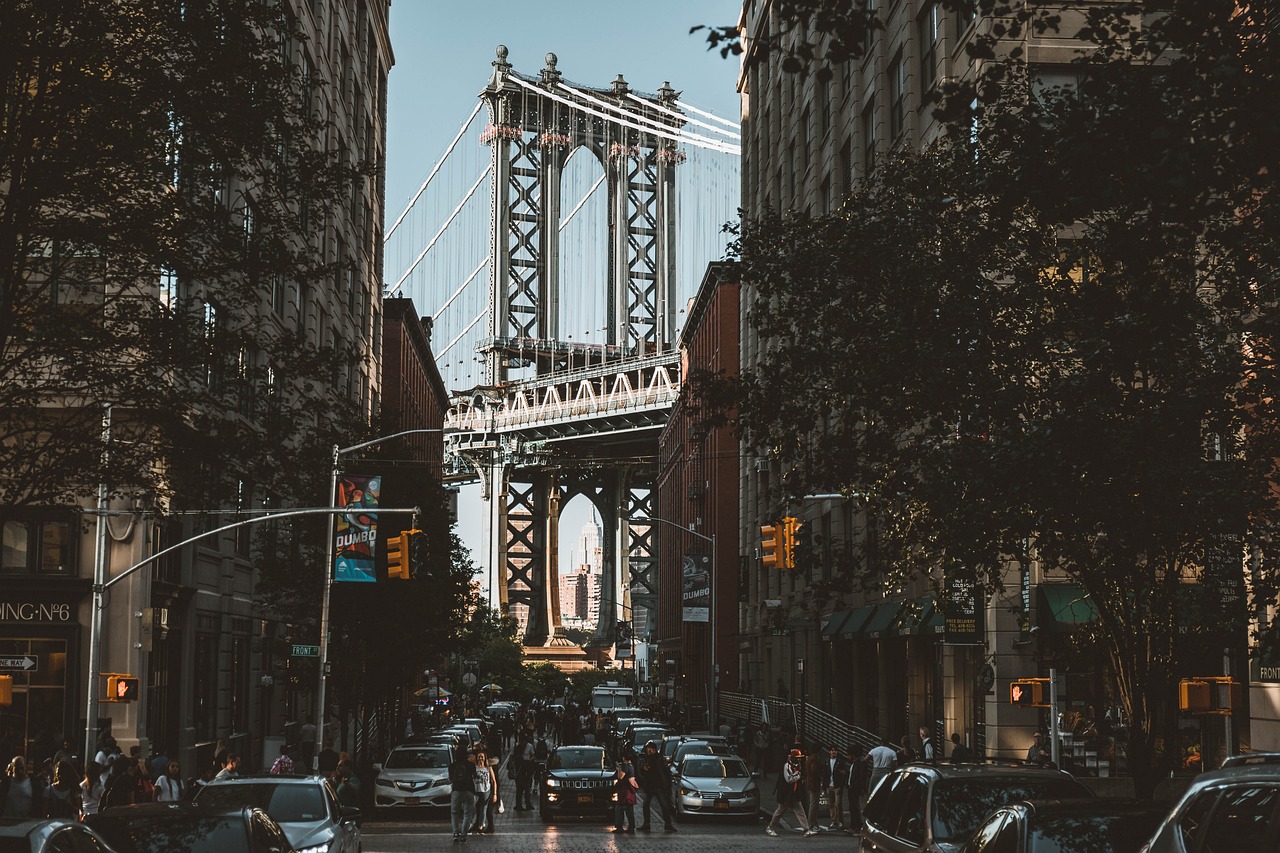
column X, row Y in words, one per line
column 432, row 692
column 492, row 688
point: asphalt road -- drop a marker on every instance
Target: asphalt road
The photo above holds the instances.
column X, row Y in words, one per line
column 526, row 833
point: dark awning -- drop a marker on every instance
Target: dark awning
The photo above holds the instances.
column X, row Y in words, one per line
column 858, row 618
column 923, row 618
column 885, row 615
column 832, row 624
column 1062, row 606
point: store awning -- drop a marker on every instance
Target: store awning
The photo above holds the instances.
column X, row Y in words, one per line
column 1061, row 607
column 858, row 618
column 832, row 624
column 885, row 615
column 921, row 619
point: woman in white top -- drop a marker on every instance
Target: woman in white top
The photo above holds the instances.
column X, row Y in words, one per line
column 91, row 789
column 170, row 787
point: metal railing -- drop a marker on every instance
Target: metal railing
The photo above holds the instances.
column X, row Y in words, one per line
column 820, row 726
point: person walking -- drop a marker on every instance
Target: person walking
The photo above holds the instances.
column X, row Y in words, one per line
column 21, row 794
column 169, row 787
column 926, row 745
column 959, row 752
column 654, row 776
column 523, row 756
column 858, row 788
column 307, row 743
column 790, row 795
column 230, row 767
column 462, row 802
column 62, row 798
column 760, row 751
column 346, row 784
column 624, row 786
column 486, row 789
column 882, row 759
column 1038, row 753
column 283, row 765
column 814, row 786
column 835, row 777
column 91, row 789
column 121, row 787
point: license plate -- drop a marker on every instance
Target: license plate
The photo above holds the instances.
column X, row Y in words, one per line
column 721, row 804
column 585, row 800
column 412, row 801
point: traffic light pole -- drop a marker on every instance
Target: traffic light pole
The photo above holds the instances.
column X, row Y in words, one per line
column 100, row 591
column 320, row 714
column 1054, row 748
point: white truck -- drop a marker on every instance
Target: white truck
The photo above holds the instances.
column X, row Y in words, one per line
column 611, row 695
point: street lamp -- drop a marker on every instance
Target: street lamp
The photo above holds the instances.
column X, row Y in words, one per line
column 328, row 576
column 711, row 610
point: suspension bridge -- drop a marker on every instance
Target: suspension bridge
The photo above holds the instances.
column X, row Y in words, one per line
column 553, row 247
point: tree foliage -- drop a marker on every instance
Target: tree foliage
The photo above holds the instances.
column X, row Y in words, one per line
column 1050, row 336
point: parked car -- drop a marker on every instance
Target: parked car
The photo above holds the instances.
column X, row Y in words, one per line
column 306, row 808
column 716, row 785
column 167, row 827
column 578, row 781
column 936, row 808
column 690, row 746
column 1235, row 808
column 638, row 736
column 1080, row 826
column 413, row 775
column 52, row 835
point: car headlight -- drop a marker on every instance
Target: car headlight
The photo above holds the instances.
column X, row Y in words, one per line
column 317, row 848
column 386, row 783
column 553, row 783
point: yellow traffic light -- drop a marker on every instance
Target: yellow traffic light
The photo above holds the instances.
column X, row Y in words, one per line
column 790, row 530
column 773, row 546
column 1029, row 692
column 397, row 558
column 122, row 688
column 1209, row 694
column 6, row 690
column 1193, row 696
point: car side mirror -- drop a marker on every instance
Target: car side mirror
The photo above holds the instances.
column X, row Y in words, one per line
column 349, row 813
column 377, row 768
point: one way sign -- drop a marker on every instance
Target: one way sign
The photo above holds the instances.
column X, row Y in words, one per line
column 25, row 664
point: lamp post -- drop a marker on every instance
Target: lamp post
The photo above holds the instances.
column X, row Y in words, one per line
column 711, row 611
column 328, row 576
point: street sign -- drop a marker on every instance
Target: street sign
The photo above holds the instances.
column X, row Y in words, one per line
column 468, row 679
column 305, row 652
column 25, row 663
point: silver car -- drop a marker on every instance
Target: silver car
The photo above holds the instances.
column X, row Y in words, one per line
column 305, row 807
column 413, row 775
column 716, row 784
column 50, row 835
column 1236, row 808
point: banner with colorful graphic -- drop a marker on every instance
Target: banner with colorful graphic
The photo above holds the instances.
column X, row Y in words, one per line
column 697, row 588
column 355, row 545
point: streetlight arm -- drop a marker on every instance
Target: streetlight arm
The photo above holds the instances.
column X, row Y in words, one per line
column 338, row 451
column 704, row 537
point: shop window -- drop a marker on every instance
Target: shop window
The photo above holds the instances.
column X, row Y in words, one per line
column 37, row 546
column 204, row 684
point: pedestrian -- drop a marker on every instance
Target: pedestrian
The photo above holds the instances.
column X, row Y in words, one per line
column 835, row 776
column 230, row 767
column 159, row 762
column 790, row 789
column 346, row 784
column 307, row 744
column 814, row 786
column 485, row 785
column 283, row 765
column 654, row 775
column 906, row 754
column 1037, row 753
column 760, row 750
column 146, row 792
column 107, row 750
column 91, row 789
column 926, row 745
column 523, row 755
column 62, row 797
column 859, row 787
column 68, row 754
column 462, row 802
column 21, row 795
column 121, row 787
column 169, row 787
column 326, row 761
column 624, row 787
column 882, row 758
column 960, row 752
column 221, row 750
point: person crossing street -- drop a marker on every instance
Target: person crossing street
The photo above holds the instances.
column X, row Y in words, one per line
column 791, row 795
column 654, row 776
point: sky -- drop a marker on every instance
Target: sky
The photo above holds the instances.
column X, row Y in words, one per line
column 443, row 50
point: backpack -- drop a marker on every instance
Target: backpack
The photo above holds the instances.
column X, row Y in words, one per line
column 541, row 751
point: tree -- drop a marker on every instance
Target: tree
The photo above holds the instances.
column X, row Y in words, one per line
column 1054, row 341
column 162, row 178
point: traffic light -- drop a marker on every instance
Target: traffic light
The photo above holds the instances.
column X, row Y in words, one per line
column 1193, row 696
column 1029, row 692
column 790, row 531
column 6, row 690
column 773, row 546
column 1212, row 694
column 122, row 688
column 397, row 558
column 417, row 552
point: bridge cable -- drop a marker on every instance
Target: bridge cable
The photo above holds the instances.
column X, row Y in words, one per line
column 686, row 136
column 447, row 223
column 470, row 278
column 677, row 114
column 469, row 327
column 440, row 163
column 585, row 199
column 688, row 106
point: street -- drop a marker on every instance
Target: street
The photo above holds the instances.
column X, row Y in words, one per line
column 525, row 832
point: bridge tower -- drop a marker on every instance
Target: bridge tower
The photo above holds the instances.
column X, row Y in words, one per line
column 529, row 470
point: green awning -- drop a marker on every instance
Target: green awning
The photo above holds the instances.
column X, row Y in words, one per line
column 885, row 615
column 858, row 618
column 922, row 619
column 832, row 624
column 1062, row 606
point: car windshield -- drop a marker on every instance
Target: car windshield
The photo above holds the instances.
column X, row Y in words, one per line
column 417, row 759
column 577, row 758
column 1094, row 833
column 222, row 834
column 287, row 803
column 700, row 749
column 715, row 768
column 959, row 805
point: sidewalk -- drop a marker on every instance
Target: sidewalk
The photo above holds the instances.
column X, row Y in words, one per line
column 769, row 802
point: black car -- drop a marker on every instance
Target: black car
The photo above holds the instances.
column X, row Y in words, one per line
column 189, row 828
column 1081, row 826
column 579, row 781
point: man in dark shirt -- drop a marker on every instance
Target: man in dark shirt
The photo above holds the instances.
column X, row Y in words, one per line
column 654, row 776
column 327, row 760
column 462, row 802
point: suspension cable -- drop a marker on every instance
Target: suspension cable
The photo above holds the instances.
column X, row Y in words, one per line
column 691, row 138
column 590, row 192
column 662, row 108
column 470, row 278
column 447, row 223
column 688, row 106
column 440, row 163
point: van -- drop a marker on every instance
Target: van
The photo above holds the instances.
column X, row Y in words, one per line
column 610, row 695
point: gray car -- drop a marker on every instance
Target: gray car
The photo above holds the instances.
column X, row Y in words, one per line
column 305, row 807
column 1236, row 808
column 716, row 785
column 413, row 776
column 53, row 835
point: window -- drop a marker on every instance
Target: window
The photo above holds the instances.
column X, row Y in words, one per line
column 240, row 684
column 869, row 137
column 168, row 288
column 1242, row 820
column 36, row 546
column 204, row 686
column 929, row 26
column 912, row 793
column 1195, row 816
column 897, row 96
column 277, row 294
